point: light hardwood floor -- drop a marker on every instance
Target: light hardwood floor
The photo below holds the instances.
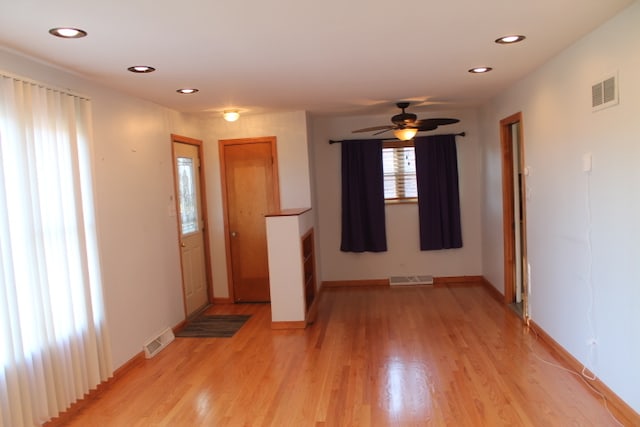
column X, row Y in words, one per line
column 415, row 356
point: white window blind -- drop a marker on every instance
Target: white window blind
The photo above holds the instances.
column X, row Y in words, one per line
column 54, row 343
column 399, row 168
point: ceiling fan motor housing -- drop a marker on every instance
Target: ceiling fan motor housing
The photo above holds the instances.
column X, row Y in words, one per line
column 404, row 119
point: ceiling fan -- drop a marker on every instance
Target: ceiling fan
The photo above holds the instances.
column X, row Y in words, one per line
column 406, row 125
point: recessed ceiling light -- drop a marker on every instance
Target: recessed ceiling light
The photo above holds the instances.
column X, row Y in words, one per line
column 510, row 39
column 480, row 70
column 187, row 91
column 141, row 69
column 68, row 32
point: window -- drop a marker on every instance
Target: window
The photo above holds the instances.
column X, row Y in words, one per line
column 399, row 166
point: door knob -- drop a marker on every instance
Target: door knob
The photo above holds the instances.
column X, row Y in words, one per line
column 183, row 245
column 234, row 234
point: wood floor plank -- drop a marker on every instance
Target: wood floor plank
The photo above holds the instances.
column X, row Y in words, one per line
column 380, row 356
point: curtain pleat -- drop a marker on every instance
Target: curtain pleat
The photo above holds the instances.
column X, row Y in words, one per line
column 363, row 214
column 54, row 343
column 438, row 192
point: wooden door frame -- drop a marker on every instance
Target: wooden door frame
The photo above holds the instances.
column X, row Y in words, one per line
column 203, row 211
column 222, row 143
column 508, row 200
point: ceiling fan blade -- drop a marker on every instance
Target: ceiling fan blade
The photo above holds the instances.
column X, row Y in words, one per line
column 383, row 131
column 430, row 124
column 371, row 129
column 425, row 126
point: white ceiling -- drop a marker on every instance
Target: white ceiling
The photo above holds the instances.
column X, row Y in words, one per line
column 323, row 56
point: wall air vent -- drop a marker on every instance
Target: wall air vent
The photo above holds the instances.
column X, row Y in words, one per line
column 604, row 93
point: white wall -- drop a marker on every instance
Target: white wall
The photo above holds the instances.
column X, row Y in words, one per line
column 583, row 230
column 403, row 256
column 290, row 129
column 133, row 179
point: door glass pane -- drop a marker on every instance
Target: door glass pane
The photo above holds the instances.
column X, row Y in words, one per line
column 187, row 194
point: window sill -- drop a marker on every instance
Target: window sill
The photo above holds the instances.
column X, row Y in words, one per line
column 411, row 201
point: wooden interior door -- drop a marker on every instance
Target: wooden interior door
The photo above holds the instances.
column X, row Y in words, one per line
column 250, row 184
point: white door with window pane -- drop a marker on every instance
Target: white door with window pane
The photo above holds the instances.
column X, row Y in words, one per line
column 190, row 219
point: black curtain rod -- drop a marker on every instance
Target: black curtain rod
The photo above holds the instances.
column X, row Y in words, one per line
column 331, row 141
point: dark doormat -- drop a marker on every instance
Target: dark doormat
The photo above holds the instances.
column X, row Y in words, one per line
column 214, row 326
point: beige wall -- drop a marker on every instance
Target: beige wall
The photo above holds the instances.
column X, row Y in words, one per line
column 290, row 129
column 133, row 180
column 134, row 188
column 583, row 230
column 403, row 256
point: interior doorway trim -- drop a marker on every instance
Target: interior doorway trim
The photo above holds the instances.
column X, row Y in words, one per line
column 508, row 211
column 203, row 202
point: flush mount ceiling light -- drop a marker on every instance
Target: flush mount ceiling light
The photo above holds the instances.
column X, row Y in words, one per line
column 405, row 134
column 141, row 69
column 231, row 115
column 68, row 32
column 187, row 91
column 480, row 70
column 510, row 39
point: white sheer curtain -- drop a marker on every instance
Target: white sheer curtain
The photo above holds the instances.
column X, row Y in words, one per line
column 53, row 341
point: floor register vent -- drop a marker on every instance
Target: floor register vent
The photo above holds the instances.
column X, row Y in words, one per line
column 410, row 280
column 156, row 344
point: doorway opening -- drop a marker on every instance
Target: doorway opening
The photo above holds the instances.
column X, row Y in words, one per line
column 191, row 210
column 516, row 269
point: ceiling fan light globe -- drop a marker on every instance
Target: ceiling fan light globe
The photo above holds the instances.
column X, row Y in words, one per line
column 405, row 134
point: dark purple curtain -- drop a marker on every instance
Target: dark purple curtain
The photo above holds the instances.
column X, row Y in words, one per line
column 363, row 219
column 438, row 196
